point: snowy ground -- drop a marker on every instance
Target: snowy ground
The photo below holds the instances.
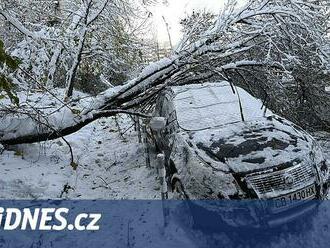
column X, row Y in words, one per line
column 110, row 166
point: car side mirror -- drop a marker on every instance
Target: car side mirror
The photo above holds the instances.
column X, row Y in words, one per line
column 157, row 123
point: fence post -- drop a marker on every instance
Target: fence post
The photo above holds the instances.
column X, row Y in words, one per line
column 162, row 175
column 162, row 179
column 159, row 160
column 138, row 128
column 146, row 145
column 135, row 122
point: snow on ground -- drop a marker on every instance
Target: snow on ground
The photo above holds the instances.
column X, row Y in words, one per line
column 107, row 167
column 110, row 166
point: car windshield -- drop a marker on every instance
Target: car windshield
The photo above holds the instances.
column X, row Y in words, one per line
column 203, row 106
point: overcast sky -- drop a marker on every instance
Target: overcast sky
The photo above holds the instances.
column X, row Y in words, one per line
column 175, row 11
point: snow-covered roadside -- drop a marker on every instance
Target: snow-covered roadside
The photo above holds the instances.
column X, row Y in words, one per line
column 110, row 166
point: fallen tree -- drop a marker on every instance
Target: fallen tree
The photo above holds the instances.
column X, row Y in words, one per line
column 264, row 40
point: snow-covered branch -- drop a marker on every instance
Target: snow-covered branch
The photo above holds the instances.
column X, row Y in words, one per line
column 10, row 17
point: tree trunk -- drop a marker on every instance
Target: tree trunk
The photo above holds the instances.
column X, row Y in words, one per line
column 44, row 132
column 71, row 76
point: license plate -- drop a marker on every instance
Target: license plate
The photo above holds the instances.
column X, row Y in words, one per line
column 294, row 198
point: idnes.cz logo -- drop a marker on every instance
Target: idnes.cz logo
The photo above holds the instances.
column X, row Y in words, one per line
column 46, row 219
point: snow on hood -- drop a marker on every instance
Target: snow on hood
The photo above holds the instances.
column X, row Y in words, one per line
column 256, row 145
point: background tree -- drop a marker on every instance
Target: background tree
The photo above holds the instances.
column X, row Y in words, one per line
column 196, row 24
column 294, row 83
column 58, row 43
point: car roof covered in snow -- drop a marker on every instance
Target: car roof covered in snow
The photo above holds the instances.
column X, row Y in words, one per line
column 202, row 106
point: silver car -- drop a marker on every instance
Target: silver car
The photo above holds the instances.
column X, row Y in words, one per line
column 221, row 143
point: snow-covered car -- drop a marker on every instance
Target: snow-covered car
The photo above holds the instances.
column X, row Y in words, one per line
column 222, row 143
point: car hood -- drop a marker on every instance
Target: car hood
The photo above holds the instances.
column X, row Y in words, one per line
column 253, row 146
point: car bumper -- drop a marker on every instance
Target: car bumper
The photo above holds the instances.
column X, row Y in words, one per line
column 309, row 208
column 251, row 213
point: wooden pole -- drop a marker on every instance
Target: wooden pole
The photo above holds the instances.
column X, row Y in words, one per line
column 146, row 145
column 163, row 186
column 139, row 129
